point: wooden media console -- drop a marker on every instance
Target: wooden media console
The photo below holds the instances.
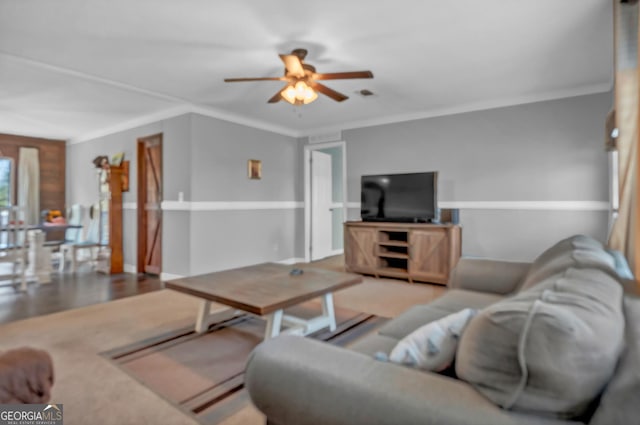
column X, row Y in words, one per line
column 413, row 251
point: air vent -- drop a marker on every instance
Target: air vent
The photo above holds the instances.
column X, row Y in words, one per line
column 327, row 137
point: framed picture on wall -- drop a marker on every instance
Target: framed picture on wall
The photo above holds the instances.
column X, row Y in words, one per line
column 255, row 169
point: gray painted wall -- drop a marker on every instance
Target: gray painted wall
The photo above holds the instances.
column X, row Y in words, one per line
column 546, row 151
column 224, row 239
column 206, row 160
column 220, row 151
column 82, row 186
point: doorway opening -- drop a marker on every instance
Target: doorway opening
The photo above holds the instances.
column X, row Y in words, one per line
column 149, row 205
column 325, row 199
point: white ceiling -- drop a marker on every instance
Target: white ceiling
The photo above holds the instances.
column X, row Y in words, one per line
column 74, row 69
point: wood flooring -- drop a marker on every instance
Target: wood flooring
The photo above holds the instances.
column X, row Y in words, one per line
column 384, row 297
column 67, row 291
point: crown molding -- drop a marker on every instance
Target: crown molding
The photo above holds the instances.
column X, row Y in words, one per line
column 89, row 77
column 469, row 107
column 249, row 122
column 184, row 106
column 176, row 112
column 132, row 123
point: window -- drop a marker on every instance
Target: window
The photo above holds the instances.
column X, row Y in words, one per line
column 6, row 182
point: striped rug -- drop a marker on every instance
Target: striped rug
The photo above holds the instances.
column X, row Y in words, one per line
column 203, row 374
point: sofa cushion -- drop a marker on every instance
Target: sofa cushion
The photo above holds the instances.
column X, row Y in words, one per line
column 411, row 320
column 621, row 400
column 458, row 299
column 577, row 251
column 577, row 258
column 568, row 244
column 374, row 343
column 550, row 349
column 432, row 346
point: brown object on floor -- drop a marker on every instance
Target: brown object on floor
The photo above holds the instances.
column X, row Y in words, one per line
column 26, row 376
column 264, row 288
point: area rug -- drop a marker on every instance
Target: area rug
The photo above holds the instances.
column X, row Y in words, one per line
column 203, row 374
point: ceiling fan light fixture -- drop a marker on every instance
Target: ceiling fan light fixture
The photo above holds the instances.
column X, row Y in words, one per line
column 310, row 96
column 300, row 93
column 289, row 94
column 302, row 90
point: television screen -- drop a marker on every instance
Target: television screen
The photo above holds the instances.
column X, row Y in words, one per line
column 399, row 197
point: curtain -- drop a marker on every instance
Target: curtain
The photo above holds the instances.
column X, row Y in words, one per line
column 29, row 184
column 622, row 235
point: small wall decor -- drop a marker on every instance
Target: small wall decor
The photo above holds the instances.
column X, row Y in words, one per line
column 255, row 169
column 117, row 159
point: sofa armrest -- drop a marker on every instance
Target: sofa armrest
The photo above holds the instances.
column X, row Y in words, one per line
column 300, row 381
column 499, row 277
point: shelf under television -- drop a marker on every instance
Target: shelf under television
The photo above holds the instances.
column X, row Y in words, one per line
column 394, row 243
column 400, row 255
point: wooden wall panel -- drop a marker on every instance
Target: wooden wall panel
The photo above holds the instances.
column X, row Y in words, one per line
column 52, row 156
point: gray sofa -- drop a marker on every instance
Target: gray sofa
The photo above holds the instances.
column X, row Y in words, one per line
column 573, row 300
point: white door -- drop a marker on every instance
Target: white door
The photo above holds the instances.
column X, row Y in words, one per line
column 321, row 200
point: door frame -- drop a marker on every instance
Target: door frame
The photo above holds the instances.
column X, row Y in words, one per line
column 307, row 189
column 142, row 189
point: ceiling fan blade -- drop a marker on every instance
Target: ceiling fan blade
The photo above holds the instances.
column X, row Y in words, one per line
column 276, row 98
column 338, row 97
column 343, row 75
column 238, row 80
column 293, row 65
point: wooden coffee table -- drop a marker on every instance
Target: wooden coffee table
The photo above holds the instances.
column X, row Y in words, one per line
column 265, row 290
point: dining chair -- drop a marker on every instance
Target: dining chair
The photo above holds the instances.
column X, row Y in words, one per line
column 13, row 254
column 74, row 244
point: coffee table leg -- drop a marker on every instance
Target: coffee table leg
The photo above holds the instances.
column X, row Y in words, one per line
column 274, row 323
column 202, row 323
column 327, row 310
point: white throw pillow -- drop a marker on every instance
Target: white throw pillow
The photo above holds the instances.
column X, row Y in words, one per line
column 432, row 346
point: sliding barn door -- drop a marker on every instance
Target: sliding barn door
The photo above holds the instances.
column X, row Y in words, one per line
column 149, row 204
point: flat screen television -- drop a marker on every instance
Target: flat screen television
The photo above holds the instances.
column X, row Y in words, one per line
column 410, row 197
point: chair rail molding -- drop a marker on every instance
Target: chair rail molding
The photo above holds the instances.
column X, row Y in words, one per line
column 519, row 205
column 230, row 205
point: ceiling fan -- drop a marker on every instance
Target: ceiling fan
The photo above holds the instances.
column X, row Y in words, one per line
column 302, row 80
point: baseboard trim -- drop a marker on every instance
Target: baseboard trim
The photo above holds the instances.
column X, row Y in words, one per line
column 130, row 268
column 290, row 261
column 169, row 276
